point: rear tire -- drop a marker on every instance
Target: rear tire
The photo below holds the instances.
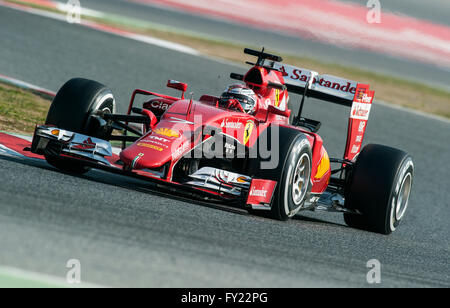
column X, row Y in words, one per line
column 379, row 188
column 71, row 110
column 292, row 174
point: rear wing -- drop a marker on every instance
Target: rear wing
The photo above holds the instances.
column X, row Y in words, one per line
column 329, row 88
column 324, row 87
column 336, row 90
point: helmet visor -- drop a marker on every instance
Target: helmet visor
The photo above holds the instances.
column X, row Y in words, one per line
column 247, row 102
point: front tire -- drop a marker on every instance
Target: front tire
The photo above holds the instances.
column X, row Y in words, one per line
column 379, row 189
column 292, row 174
column 71, row 110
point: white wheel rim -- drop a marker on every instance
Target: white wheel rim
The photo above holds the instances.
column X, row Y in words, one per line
column 102, row 100
column 300, row 179
column 403, row 197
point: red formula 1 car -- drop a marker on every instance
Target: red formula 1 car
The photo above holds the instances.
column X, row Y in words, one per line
column 239, row 148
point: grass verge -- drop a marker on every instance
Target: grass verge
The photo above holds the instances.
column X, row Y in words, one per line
column 388, row 89
column 21, row 110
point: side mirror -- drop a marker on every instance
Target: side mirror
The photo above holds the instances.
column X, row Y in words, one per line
column 177, row 86
column 153, row 120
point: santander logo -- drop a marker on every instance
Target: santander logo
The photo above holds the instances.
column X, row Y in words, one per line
column 300, row 77
column 230, row 124
column 258, row 193
column 297, row 75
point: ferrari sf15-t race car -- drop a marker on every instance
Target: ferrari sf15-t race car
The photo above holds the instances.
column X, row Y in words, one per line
column 242, row 148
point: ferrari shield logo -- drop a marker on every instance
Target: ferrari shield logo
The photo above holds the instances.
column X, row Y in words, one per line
column 277, row 98
column 248, row 130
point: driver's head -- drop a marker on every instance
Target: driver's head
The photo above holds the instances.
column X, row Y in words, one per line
column 245, row 96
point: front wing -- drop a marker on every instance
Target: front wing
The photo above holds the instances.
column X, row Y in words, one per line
column 207, row 183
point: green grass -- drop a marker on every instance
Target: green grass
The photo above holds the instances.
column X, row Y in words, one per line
column 21, row 110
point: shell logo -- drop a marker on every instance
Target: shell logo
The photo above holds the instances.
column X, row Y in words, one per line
column 167, row 132
column 242, row 179
column 323, row 166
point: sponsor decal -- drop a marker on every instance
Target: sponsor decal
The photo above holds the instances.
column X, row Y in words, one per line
column 167, row 132
column 359, row 95
column 300, row 76
column 156, row 138
column 231, row 124
column 361, row 127
column 248, row 130
column 258, row 193
column 366, row 99
column 150, row 146
column 360, row 111
column 277, row 98
column 229, row 148
column 86, row 145
column 355, row 149
column 243, row 179
column 136, row 159
column 364, row 96
column 261, row 192
column 159, row 105
column 359, row 114
column 323, row 166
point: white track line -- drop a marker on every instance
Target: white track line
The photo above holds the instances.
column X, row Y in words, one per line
column 137, row 37
column 25, row 85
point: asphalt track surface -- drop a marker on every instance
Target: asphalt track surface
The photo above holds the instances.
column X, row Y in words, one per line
column 222, row 29
column 125, row 233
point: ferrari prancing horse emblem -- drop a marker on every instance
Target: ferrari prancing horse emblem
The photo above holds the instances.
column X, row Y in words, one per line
column 248, row 130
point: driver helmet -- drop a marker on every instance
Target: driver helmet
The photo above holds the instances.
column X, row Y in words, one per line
column 245, row 96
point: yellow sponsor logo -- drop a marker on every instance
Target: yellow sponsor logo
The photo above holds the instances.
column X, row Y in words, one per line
column 248, row 130
column 167, row 132
column 323, row 167
column 150, row 146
